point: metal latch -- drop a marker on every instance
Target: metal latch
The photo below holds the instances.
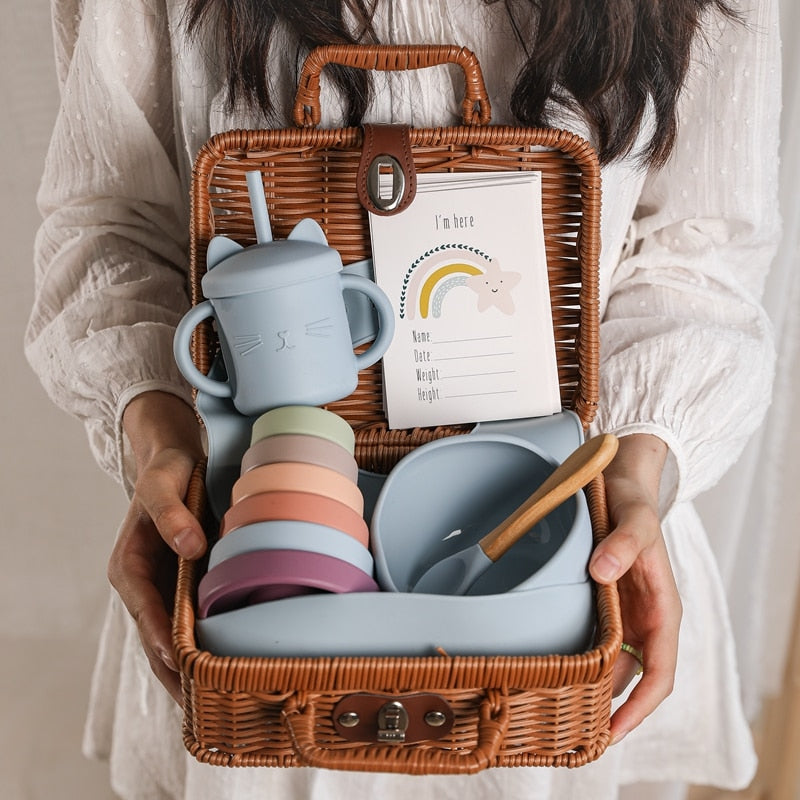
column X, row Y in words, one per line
column 392, row 722
column 404, row 719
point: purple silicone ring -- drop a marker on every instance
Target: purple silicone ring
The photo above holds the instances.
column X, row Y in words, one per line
column 271, row 574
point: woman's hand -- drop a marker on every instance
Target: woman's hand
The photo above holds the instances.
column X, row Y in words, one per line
column 635, row 555
column 165, row 437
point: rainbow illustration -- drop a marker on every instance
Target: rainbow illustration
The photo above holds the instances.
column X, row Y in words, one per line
column 436, row 273
column 458, row 268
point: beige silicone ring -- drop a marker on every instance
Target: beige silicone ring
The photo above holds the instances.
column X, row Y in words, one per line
column 290, row 477
column 300, row 448
column 308, row 420
column 299, row 506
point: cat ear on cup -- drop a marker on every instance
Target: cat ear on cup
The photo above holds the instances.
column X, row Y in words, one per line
column 220, row 248
column 308, row 230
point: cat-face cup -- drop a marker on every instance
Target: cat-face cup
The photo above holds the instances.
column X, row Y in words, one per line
column 282, row 323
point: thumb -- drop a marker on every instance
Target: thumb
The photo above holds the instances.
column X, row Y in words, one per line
column 608, row 562
column 636, row 529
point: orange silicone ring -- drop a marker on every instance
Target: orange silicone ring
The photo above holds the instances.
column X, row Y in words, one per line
column 301, row 506
column 287, row 476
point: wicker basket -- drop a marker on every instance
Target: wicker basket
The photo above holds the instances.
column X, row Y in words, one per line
column 505, row 711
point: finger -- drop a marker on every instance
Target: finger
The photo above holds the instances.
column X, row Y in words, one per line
column 626, row 668
column 169, row 678
column 132, row 572
column 161, row 490
column 660, row 654
column 654, row 687
column 155, row 634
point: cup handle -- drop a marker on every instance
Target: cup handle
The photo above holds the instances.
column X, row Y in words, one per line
column 383, row 306
column 180, row 348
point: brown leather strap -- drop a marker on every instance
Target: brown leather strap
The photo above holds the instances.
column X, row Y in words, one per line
column 386, row 149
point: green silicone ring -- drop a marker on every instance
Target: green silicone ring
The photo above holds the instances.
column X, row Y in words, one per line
column 306, row 420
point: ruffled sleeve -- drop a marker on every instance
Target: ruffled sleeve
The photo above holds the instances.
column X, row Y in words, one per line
column 687, row 349
column 111, row 254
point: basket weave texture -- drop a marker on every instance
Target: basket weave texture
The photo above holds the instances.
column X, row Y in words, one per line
column 509, row 711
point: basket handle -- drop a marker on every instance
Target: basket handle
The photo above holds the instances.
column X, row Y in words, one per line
column 475, row 107
column 493, row 718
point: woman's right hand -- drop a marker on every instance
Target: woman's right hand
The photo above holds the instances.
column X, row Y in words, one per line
column 165, row 437
column 634, row 555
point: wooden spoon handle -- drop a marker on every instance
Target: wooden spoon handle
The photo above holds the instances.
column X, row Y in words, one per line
column 588, row 461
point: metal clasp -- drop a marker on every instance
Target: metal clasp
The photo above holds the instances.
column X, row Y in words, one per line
column 377, row 188
column 404, row 719
column 392, row 722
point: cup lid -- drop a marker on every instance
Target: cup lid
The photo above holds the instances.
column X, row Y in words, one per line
column 270, row 265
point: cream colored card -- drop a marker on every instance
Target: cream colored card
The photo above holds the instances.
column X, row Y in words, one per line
column 464, row 266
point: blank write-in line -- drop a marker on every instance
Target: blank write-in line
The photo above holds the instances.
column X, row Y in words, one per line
column 478, row 394
column 484, row 355
column 476, row 339
column 480, row 374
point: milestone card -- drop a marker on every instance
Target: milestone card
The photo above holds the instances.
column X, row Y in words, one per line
column 465, row 269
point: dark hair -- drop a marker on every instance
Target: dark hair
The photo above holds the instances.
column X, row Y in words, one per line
column 606, row 59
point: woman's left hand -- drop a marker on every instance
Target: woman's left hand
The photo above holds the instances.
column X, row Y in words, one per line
column 634, row 554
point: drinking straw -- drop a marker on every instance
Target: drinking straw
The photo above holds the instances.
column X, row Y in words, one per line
column 258, row 204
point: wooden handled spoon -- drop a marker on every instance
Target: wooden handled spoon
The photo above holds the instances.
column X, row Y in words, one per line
column 456, row 573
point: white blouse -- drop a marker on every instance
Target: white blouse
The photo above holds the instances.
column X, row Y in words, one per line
column 687, row 351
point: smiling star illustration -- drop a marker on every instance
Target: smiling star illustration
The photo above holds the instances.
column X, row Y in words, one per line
column 493, row 288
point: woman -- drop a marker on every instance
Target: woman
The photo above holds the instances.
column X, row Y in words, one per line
column 689, row 227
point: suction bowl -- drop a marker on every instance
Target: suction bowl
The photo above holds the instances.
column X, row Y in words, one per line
column 445, row 495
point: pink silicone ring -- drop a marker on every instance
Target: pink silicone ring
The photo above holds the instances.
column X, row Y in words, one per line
column 272, row 574
column 300, row 448
column 290, row 477
column 301, row 506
